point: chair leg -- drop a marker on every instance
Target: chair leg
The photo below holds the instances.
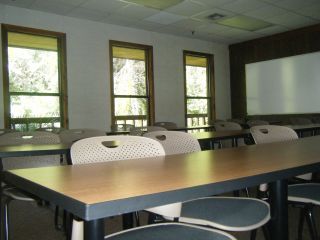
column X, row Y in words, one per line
column 301, row 223
column 5, row 216
column 253, row 234
column 266, row 232
column 311, row 222
column 137, row 217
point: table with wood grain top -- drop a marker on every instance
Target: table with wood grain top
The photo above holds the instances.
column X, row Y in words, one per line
column 216, row 136
column 95, row 191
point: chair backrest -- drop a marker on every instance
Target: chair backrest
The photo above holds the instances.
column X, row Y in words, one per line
column 166, row 125
column 175, row 142
column 300, row 121
column 136, row 131
column 155, row 128
column 115, row 148
column 274, row 133
column 256, row 122
column 37, row 137
column 225, row 126
column 121, row 127
column 73, row 135
column 237, row 120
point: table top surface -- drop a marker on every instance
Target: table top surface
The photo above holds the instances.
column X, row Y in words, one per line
column 94, row 191
column 33, row 149
column 219, row 135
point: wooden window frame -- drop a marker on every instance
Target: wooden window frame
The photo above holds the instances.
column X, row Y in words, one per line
column 62, row 70
column 211, row 86
column 149, row 80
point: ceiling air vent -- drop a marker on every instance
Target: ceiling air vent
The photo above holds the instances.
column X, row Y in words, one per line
column 215, row 16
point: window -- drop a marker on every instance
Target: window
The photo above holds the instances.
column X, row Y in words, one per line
column 199, row 88
column 131, row 84
column 34, row 68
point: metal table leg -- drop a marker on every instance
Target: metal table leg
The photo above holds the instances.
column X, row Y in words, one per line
column 279, row 210
column 94, row 229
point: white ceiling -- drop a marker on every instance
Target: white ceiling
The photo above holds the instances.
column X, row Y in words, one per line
column 188, row 18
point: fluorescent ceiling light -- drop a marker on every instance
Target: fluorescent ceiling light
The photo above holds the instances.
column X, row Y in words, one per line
column 244, row 22
column 157, row 4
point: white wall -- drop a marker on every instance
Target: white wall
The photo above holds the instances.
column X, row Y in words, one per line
column 88, row 66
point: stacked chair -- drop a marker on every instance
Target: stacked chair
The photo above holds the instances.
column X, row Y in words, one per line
column 225, row 213
column 305, row 195
column 134, row 147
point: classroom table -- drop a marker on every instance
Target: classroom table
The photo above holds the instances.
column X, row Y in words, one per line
column 95, row 191
column 300, row 129
column 217, row 136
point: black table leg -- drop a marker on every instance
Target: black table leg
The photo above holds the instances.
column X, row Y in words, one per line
column 94, row 229
column 278, row 224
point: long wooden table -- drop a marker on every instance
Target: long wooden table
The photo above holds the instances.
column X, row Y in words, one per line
column 95, row 191
column 217, row 136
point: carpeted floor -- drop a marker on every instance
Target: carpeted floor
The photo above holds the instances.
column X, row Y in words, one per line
column 31, row 222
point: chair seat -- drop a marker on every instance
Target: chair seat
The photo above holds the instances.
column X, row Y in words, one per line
column 170, row 231
column 226, row 213
column 16, row 194
column 304, row 193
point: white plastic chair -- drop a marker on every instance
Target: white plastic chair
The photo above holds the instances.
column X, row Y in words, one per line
column 72, row 135
column 307, row 194
column 166, row 125
column 18, row 138
column 225, row 213
column 228, row 126
column 256, row 122
column 115, row 148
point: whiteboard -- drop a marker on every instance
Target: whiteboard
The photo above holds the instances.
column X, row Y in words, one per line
column 288, row 85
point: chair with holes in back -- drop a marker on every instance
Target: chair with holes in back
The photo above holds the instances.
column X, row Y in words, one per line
column 10, row 193
column 115, row 148
column 256, row 122
column 229, row 126
column 155, row 128
column 73, row 135
column 225, row 213
column 166, row 125
column 304, row 194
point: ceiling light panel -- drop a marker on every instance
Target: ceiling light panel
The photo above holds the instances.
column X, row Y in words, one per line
column 244, row 22
column 156, row 4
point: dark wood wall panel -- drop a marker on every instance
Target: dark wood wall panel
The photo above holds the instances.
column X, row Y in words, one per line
column 300, row 41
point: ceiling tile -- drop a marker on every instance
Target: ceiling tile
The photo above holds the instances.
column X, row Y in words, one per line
column 214, row 3
column 109, row 6
column 165, row 18
column 58, row 7
column 311, row 11
column 89, row 14
column 265, row 12
column 150, row 26
column 213, row 28
column 187, row 8
column 204, row 15
column 119, row 20
column 188, row 24
column 273, row 30
column 136, row 11
column 295, row 4
column 18, row 3
column 291, row 20
column 241, row 6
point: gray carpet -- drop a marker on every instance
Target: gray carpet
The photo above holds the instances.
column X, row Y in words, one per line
column 29, row 221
